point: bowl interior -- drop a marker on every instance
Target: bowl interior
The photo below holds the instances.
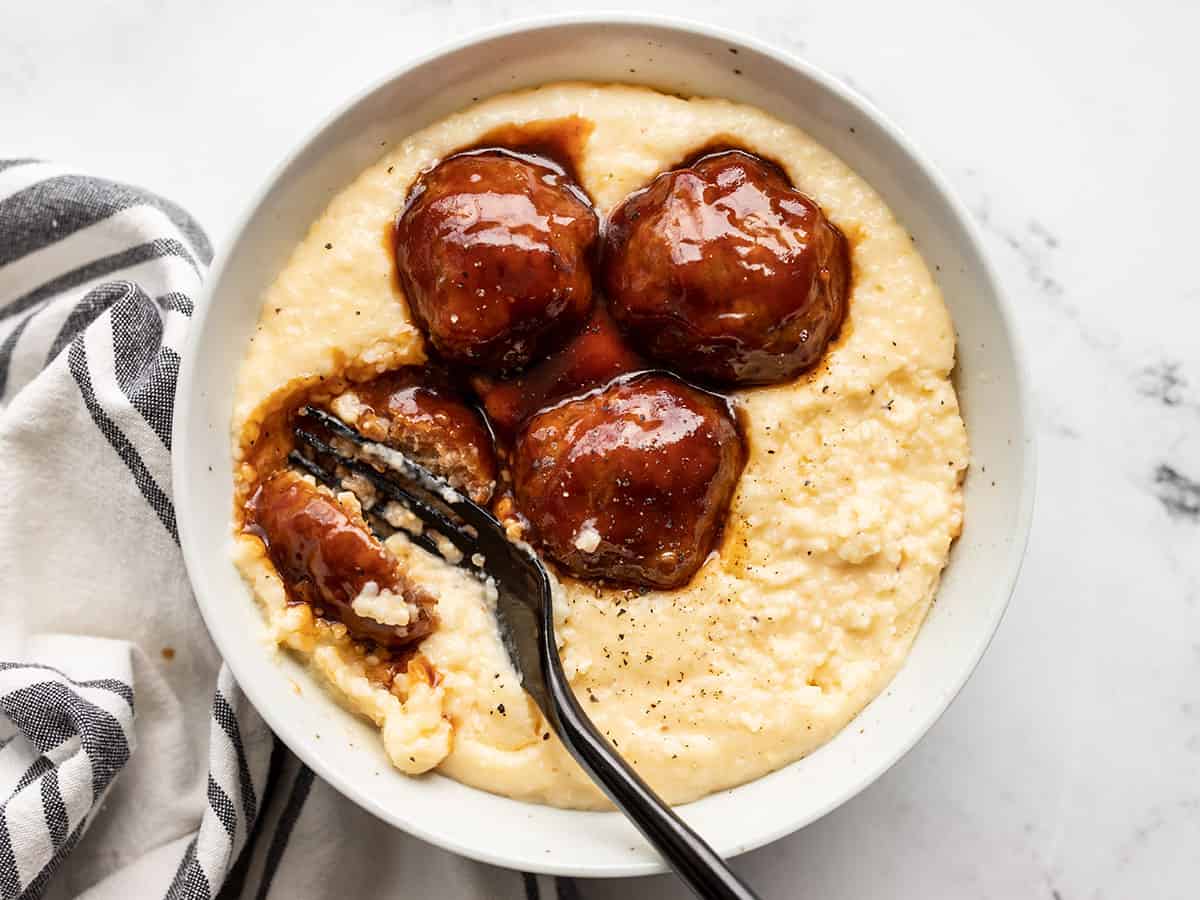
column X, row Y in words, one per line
column 690, row 60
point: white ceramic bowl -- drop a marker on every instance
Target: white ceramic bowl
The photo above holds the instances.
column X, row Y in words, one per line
column 689, row 59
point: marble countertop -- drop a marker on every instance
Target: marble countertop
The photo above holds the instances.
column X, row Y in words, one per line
column 1070, row 766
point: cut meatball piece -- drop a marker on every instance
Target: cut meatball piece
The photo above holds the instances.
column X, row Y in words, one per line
column 493, row 251
column 328, row 559
column 594, row 357
column 419, row 412
column 632, row 482
column 726, row 273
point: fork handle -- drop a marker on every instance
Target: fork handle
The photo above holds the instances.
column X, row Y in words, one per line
column 694, row 861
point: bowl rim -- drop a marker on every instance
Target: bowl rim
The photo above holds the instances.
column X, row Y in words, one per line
column 282, row 727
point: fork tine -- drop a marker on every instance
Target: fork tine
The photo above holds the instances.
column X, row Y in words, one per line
column 422, row 504
column 415, row 475
column 330, row 479
column 315, row 469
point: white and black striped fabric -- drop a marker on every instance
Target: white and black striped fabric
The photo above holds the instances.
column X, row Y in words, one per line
column 131, row 765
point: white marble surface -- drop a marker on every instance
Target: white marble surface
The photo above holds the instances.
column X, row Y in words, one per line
column 1070, row 766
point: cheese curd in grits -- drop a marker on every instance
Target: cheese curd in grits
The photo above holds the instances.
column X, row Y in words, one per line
column 818, row 576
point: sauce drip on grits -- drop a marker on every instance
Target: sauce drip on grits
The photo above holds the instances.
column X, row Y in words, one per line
column 714, row 395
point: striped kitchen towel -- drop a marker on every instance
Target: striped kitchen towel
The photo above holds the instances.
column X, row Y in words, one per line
column 130, row 763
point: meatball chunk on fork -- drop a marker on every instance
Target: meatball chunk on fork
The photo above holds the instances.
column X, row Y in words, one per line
column 328, row 559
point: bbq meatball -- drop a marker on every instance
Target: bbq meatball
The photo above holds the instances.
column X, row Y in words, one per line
column 631, row 482
column 419, row 412
column 493, row 251
column 725, row 272
column 328, row 559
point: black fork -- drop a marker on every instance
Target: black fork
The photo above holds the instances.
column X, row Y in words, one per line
column 525, row 612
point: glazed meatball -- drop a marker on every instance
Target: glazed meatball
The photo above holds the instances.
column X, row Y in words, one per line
column 419, row 412
column 594, row 357
column 632, row 482
column 726, row 273
column 328, row 559
column 494, row 252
